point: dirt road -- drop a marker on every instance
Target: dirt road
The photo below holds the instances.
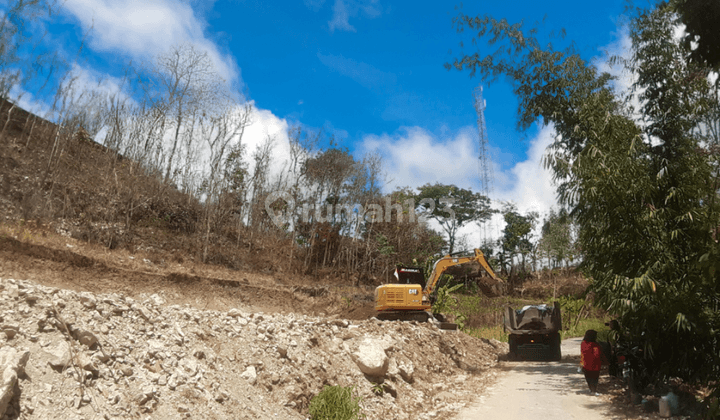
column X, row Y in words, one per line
column 552, row 390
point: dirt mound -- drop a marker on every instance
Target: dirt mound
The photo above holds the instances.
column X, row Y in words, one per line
column 110, row 355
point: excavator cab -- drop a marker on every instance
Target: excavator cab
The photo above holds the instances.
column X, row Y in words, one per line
column 410, row 275
column 409, row 298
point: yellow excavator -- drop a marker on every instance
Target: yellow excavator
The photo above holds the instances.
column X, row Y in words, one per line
column 409, row 300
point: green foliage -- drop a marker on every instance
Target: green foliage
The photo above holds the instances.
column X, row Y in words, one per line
column 495, row 332
column 570, row 309
column 557, row 241
column 383, row 246
column 444, row 302
column 452, row 207
column 700, row 18
column 644, row 195
column 447, row 304
column 590, row 323
column 335, row 403
column 516, row 237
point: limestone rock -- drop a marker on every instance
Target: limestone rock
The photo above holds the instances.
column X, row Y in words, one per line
column 12, row 362
column 85, row 362
column 10, row 330
column 369, row 355
column 406, row 370
column 250, row 375
column 88, row 300
column 59, row 355
column 86, row 337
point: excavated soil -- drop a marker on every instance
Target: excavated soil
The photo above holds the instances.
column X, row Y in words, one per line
column 114, row 335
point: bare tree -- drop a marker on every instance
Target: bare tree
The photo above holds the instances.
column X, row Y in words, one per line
column 183, row 83
column 218, row 131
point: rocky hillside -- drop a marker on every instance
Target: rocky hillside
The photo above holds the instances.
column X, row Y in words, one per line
column 70, row 355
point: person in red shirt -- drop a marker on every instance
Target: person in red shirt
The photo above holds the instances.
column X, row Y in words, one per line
column 591, row 359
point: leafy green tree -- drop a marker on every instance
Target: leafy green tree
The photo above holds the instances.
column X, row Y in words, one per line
column 517, row 235
column 643, row 190
column 701, row 19
column 452, row 207
column 557, row 241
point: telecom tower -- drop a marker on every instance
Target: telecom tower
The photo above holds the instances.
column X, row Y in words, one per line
column 484, row 165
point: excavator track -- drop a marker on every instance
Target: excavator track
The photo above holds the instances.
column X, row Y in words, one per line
column 418, row 316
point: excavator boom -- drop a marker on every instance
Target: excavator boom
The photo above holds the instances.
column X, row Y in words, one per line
column 395, row 301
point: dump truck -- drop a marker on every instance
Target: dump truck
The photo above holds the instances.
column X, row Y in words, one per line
column 534, row 332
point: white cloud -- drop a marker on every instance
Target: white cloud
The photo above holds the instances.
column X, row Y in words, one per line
column 145, row 29
column 343, row 10
column 340, row 18
column 414, row 157
column 620, row 47
column 266, row 125
column 529, row 185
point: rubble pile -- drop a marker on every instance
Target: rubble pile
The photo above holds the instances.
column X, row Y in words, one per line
column 75, row 355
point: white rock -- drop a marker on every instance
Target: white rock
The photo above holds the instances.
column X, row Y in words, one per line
column 88, row 300
column 12, row 362
column 406, row 370
column 157, row 299
column 190, row 366
column 250, row 375
column 59, row 355
column 369, row 355
column 143, row 311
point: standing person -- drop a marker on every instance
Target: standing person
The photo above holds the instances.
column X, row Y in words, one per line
column 591, row 359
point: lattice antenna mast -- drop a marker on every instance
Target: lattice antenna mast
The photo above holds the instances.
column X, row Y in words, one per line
column 484, row 164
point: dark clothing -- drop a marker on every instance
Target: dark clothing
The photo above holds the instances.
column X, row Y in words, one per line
column 592, row 377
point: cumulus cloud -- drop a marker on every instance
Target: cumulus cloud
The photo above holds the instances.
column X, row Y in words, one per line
column 414, row 157
column 143, row 30
column 528, row 184
column 266, row 125
column 620, row 47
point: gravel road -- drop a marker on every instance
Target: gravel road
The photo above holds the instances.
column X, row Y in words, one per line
column 552, row 390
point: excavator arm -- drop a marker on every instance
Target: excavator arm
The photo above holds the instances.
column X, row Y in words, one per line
column 448, row 261
column 412, row 299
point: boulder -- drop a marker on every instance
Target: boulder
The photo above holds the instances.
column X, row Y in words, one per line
column 369, row 355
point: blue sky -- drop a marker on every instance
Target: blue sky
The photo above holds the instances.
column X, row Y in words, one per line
column 379, row 66
column 371, row 71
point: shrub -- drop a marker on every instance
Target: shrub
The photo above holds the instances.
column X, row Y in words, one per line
column 335, row 403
